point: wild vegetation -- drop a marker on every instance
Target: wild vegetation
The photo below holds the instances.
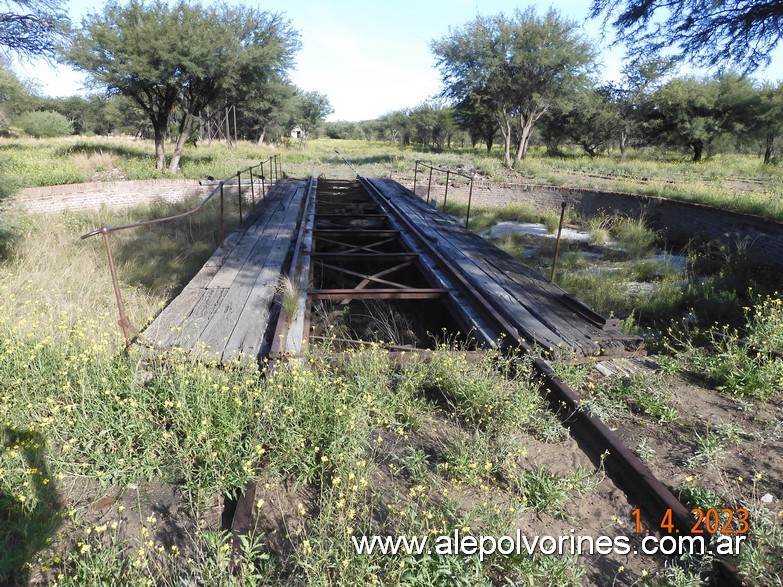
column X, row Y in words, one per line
column 116, row 463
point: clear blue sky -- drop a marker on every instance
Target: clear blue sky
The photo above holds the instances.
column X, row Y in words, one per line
column 371, row 56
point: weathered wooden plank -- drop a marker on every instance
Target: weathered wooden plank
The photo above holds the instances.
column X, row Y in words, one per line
column 187, row 333
column 236, row 261
column 227, row 317
column 528, row 300
column 296, row 335
column 182, row 322
column 251, row 324
column 173, row 316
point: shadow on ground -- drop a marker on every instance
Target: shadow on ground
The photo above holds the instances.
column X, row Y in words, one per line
column 29, row 504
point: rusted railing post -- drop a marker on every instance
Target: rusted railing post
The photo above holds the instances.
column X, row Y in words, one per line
column 557, row 242
column 252, row 187
column 470, row 198
column 446, row 194
column 124, row 321
column 222, row 223
column 239, row 194
column 263, row 186
column 415, row 174
column 429, row 185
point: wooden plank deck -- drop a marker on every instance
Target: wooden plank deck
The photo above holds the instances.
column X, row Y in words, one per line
column 223, row 313
column 546, row 314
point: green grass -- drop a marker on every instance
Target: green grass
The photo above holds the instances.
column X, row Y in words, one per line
column 734, row 182
column 362, row 447
column 643, row 394
column 46, row 162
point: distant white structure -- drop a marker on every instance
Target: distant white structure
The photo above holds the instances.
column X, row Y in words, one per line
column 297, row 132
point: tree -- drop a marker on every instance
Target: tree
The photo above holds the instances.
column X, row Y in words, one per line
column 261, row 107
column 631, row 96
column 686, row 114
column 590, row 120
column 477, row 118
column 740, row 32
column 33, row 28
column 310, row 110
column 518, row 65
column 178, row 58
column 770, row 118
column 44, row 124
column 15, row 97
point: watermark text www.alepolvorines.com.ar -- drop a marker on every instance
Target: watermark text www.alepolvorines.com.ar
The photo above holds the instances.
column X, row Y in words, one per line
column 461, row 543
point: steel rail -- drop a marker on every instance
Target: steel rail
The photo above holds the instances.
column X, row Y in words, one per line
column 488, row 312
column 277, row 345
column 623, row 466
column 593, row 436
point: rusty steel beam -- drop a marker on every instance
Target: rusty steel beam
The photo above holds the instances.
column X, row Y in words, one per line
column 341, row 256
column 337, row 232
column 367, row 277
column 351, row 247
column 378, row 294
column 352, row 216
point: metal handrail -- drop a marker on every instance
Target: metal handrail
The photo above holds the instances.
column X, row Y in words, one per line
column 449, row 173
column 274, row 168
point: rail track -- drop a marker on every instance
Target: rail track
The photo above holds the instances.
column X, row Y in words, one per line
column 356, row 246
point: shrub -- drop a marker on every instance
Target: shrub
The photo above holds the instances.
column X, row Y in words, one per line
column 634, row 237
column 44, row 124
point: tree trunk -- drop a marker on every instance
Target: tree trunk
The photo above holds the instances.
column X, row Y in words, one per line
column 507, row 146
column 526, row 129
column 182, row 139
column 623, row 141
column 698, row 150
column 160, row 150
column 769, row 148
column 261, row 136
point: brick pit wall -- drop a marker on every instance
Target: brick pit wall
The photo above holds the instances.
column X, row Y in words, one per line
column 679, row 221
column 115, row 195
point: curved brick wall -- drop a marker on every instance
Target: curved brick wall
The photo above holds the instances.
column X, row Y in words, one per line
column 679, row 221
column 113, row 194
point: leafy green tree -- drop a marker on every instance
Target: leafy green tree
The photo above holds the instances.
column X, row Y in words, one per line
column 686, row 114
column 396, row 126
column 33, row 28
column 519, row 65
column 15, row 97
column 589, row 119
column 44, row 124
column 343, row 129
column 261, row 107
column 310, row 110
column 177, row 57
column 475, row 116
column 433, row 125
column 770, row 118
column 737, row 105
column 739, row 32
column 631, row 97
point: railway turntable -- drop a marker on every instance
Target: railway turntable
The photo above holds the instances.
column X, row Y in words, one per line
column 337, row 264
